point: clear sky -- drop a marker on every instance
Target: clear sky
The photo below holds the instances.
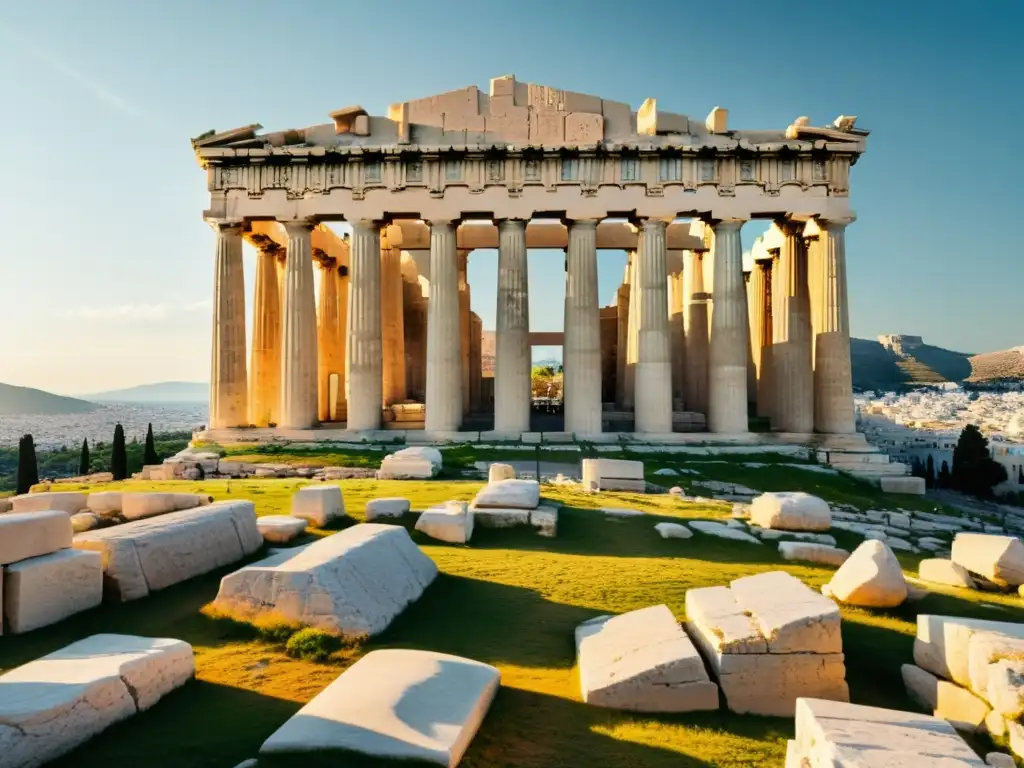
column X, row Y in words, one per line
column 106, row 266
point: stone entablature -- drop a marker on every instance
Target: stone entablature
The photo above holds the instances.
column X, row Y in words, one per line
column 466, row 152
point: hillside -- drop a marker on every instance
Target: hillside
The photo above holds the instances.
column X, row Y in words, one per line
column 896, row 361
column 159, row 392
column 22, row 401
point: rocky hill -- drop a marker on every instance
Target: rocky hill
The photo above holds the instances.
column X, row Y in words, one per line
column 23, row 401
column 160, row 392
column 896, row 361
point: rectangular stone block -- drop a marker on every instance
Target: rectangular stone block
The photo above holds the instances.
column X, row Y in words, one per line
column 319, row 504
column 712, row 613
column 613, row 475
column 66, row 501
column 52, row 705
column 998, row 558
column 30, row 534
column 583, row 129
column 832, row 733
column 513, row 493
column 642, row 661
column 984, row 649
column 44, row 590
column 942, row 644
column 500, row 517
column 157, row 552
column 792, row 617
column 958, row 706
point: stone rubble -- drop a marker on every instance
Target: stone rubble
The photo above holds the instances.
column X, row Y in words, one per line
column 319, row 504
column 280, row 529
column 871, row 577
column 673, row 531
column 418, row 462
column 722, row 531
column 451, row 522
column 795, row 511
column 822, row 554
column 379, row 509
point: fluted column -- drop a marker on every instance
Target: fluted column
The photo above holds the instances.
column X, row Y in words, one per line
column 621, row 341
column 761, row 335
column 582, row 350
column 512, row 336
column 298, row 332
column 392, row 298
column 341, row 404
column 363, row 351
column 653, row 388
column 330, row 354
column 677, row 330
column 632, row 327
column 462, row 259
column 727, row 354
column 229, row 393
column 444, row 345
column 791, row 336
column 833, row 378
column 265, row 367
column 696, row 331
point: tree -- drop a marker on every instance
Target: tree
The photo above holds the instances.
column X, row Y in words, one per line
column 119, row 455
column 975, row 472
column 1020, row 475
column 945, row 478
column 917, row 467
column 28, row 468
column 929, row 472
column 83, row 463
column 149, row 456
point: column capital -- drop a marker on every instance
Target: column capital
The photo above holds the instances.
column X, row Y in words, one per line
column 581, row 223
column 226, row 226
column 297, row 227
column 267, row 245
column 835, row 222
column 790, row 227
column 653, row 224
column 506, row 224
column 364, row 224
column 719, row 225
column 452, row 222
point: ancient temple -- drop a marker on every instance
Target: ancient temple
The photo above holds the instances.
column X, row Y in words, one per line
column 693, row 340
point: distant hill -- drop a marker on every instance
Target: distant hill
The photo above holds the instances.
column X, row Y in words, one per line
column 160, row 392
column 897, row 361
column 22, row 401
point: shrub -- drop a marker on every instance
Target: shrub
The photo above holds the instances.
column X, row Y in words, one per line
column 312, row 644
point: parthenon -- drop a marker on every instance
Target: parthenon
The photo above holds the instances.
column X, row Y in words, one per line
column 694, row 340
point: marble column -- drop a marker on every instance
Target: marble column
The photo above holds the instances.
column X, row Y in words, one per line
column 696, row 332
column 329, row 354
column 444, row 369
column 229, row 389
column 415, row 341
column 265, row 368
column 621, row 342
column 833, row 377
column 512, row 336
column 364, row 361
column 791, row 336
column 677, row 330
column 653, row 387
column 582, row 350
column 462, row 257
column 633, row 326
column 298, row 332
column 282, row 263
column 341, row 278
column 761, row 335
column 392, row 301
column 727, row 353
column 815, row 292
column 476, row 330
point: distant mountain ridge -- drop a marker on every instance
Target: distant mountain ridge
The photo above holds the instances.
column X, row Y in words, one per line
column 898, row 360
column 25, row 401
column 158, row 392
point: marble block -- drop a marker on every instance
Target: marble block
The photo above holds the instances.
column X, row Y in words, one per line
column 673, row 531
column 413, row 463
column 496, row 472
column 795, row 511
column 957, row 706
column 68, row 502
column 352, row 583
column 999, row 559
column 104, row 503
column 52, row 705
column 822, row 554
column 44, row 590
column 84, row 521
column 319, row 504
column 642, row 661
column 378, row 509
column 394, row 704
column 137, row 506
column 985, row 649
column 791, row 616
column 451, row 522
column 516, row 494
column 942, row 645
column 30, row 534
column 870, row 577
column 613, row 475
column 939, row 571
column 280, row 529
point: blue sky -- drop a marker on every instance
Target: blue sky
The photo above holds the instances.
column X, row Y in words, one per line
column 106, row 266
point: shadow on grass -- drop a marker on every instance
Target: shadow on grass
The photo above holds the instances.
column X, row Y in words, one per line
column 201, row 725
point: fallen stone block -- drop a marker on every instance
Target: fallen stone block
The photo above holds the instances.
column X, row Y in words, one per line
column 1000, row 760
column 319, row 504
column 30, row 534
column 378, row 509
column 413, row 463
column 68, row 502
column 832, row 733
column 985, row 650
column 642, row 661
column 1000, row 559
column 44, row 590
column 871, row 577
column 52, row 705
column 942, row 645
column 451, row 522
column 1006, row 687
column 497, row 517
column 84, row 521
column 515, row 494
column 812, row 553
column 138, row 506
column 155, row 553
column 545, row 520
column 673, row 531
column 791, row 616
column 280, row 529
column 722, row 531
column 622, row 512
column 104, row 503
column 394, row 704
column 352, row 583
column 726, row 628
column 613, row 475
column 796, row 511
column 946, row 572
column 496, row 472
column 958, row 706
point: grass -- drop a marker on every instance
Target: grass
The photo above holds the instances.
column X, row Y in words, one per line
column 511, row 599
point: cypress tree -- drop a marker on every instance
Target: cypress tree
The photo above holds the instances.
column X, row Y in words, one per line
column 149, row 453
column 28, row 469
column 945, row 478
column 975, row 472
column 119, row 455
column 83, row 463
column 929, row 472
